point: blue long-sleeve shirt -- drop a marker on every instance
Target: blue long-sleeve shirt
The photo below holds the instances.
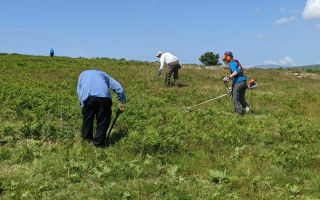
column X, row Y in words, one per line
column 97, row 83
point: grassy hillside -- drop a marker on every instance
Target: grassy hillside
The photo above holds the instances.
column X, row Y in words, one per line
column 158, row 150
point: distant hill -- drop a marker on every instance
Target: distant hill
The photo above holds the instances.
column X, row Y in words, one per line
column 269, row 66
column 317, row 66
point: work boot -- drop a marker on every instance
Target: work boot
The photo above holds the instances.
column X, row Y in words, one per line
column 177, row 83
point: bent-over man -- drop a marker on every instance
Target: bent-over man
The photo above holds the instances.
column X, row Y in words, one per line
column 173, row 67
column 96, row 102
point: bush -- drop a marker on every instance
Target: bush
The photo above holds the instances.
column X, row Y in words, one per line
column 209, row 58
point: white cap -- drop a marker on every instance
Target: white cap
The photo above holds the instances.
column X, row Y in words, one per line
column 159, row 53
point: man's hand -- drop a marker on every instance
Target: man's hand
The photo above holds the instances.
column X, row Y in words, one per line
column 159, row 72
column 226, row 79
column 121, row 108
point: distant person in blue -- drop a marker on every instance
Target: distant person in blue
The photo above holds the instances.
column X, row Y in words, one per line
column 51, row 52
column 239, row 83
column 96, row 102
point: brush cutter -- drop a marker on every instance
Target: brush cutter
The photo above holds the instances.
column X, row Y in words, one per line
column 251, row 85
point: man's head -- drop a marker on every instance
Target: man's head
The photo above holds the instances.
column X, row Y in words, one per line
column 159, row 54
column 227, row 57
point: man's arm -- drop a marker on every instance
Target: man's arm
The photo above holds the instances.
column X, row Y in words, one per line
column 79, row 90
column 118, row 89
column 161, row 62
column 234, row 72
column 161, row 65
column 233, row 67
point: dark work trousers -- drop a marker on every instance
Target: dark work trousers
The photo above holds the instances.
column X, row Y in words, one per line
column 238, row 94
column 172, row 69
column 99, row 107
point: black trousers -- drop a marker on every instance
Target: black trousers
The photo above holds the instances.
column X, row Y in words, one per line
column 99, row 108
column 238, row 94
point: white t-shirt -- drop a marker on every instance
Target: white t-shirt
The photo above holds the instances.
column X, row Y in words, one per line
column 167, row 58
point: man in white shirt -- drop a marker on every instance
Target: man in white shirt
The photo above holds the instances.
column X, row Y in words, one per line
column 173, row 67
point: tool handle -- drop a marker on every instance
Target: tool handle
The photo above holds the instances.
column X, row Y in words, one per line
column 113, row 123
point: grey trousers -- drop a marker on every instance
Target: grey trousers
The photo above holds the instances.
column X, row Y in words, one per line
column 238, row 94
column 172, row 69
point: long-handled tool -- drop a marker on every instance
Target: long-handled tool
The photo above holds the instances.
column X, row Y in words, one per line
column 216, row 98
column 112, row 125
column 229, row 90
column 219, row 97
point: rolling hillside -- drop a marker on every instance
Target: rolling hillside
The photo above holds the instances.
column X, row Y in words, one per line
column 157, row 149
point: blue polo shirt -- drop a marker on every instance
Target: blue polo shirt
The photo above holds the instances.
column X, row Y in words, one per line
column 233, row 66
column 97, row 83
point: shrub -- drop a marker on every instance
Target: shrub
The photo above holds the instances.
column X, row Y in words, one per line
column 209, row 58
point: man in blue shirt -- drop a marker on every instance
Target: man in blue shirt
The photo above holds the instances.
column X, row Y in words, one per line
column 239, row 83
column 96, row 101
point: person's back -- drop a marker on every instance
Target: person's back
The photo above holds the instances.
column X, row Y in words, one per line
column 93, row 82
column 169, row 58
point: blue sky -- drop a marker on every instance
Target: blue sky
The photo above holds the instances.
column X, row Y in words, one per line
column 257, row 31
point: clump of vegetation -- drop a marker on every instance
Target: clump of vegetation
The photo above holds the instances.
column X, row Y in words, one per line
column 209, row 59
column 157, row 150
column 311, row 68
column 218, row 177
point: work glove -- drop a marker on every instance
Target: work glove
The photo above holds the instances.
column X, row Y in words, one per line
column 159, row 72
column 121, row 108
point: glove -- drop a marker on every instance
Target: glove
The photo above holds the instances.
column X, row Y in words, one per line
column 121, row 108
column 159, row 72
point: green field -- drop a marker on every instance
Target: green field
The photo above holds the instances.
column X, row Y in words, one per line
column 157, row 150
